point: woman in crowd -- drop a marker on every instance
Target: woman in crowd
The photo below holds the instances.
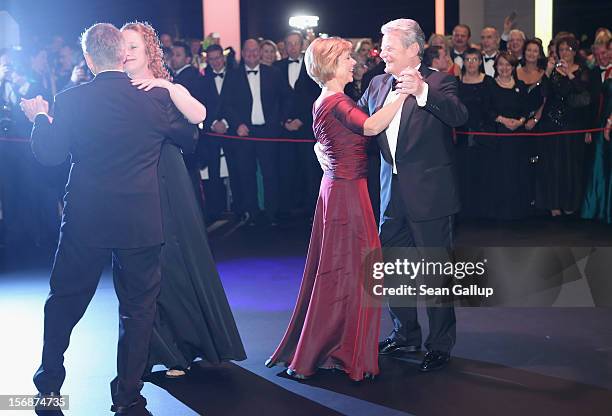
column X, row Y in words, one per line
column 508, row 160
column 335, row 323
column 269, row 52
column 561, row 157
column 533, row 75
column 474, row 87
column 193, row 316
column 598, row 196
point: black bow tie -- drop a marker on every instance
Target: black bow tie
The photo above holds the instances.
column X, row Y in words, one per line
column 394, row 84
column 294, row 61
column 219, row 74
column 488, row 58
column 252, row 71
column 455, row 54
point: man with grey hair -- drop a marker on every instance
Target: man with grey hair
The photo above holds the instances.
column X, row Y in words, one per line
column 418, row 194
column 113, row 133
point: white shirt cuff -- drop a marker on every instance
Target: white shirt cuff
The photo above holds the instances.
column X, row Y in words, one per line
column 421, row 99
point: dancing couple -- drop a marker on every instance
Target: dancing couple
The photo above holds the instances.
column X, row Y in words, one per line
column 410, row 110
column 129, row 196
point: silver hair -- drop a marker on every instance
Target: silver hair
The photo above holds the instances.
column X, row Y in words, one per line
column 519, row 32
column 409, row 30
column 104, row 44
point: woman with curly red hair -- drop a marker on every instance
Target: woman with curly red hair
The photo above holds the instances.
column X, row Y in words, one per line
column 193, row 319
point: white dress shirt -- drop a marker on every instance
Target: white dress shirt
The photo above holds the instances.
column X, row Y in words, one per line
column 489, row 67
column 393, row 130
column 257, row 115
column 294, row 71
column 219, row 80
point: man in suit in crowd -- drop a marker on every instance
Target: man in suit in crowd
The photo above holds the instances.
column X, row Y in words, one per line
column 254, row 103
column 489, row 42
column 113, row 133
column 213, row 83
column 300, row 173
column 460, row 41
column 189, row 77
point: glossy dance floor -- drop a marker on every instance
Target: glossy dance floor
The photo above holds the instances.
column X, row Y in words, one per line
column 507, row 361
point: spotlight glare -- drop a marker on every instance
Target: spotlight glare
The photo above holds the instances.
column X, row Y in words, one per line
column 303, row 22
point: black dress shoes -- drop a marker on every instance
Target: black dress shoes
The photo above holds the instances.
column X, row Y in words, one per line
column 434, row 360
column 136, row 408
column 392, row 347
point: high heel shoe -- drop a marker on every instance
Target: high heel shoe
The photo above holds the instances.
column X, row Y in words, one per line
column 293, row 374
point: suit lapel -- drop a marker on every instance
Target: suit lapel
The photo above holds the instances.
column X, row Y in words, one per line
column 383, row 142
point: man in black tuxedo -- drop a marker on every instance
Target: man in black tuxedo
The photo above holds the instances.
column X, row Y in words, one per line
column 213, row 84
column 300, row 173
column 189, row 77
column 113, row 133
column 419, row 193
column 254, row 103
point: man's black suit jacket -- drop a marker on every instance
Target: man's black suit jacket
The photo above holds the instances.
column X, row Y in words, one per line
column 114, row 133
column 237, row 101
column 424, row 153
column 191, row 79
column 211, row 99
column 302, row 95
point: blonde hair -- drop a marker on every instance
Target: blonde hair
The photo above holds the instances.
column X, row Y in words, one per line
column 153, row 48
column 322, row 58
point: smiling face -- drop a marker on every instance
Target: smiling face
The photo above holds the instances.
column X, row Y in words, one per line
column 251, row 54
column 344, row 68
column 515, row 44
column 532, row 53
column 268, row 54
column 504, row 68
column 396, row 56
column 136, row 61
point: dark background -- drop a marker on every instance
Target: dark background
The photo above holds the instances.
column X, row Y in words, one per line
column 40, row 19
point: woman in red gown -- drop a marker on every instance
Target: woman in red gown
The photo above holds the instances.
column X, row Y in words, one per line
column 335, row 323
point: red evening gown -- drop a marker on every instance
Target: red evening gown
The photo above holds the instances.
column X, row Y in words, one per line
column 335, row 323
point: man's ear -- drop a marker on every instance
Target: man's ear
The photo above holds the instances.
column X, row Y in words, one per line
column 90, row 64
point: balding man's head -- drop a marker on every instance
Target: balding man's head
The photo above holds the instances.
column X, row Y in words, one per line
column 251, row 53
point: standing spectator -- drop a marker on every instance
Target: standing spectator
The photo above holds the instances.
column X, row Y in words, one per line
column 460, row 41
column 190, row 78
column 197, row 60
column 166, row 40
column 489, row 42
column 598, row 196
column 213, row 84
column 560, row 166
column 300, row 172
column 64, row 66
column 282, row 50
column 254, row 102
column 516, row 43
column 532, row 74
column 507, row 112
column 474, row 89
column 269, row 52
column 362, row 50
